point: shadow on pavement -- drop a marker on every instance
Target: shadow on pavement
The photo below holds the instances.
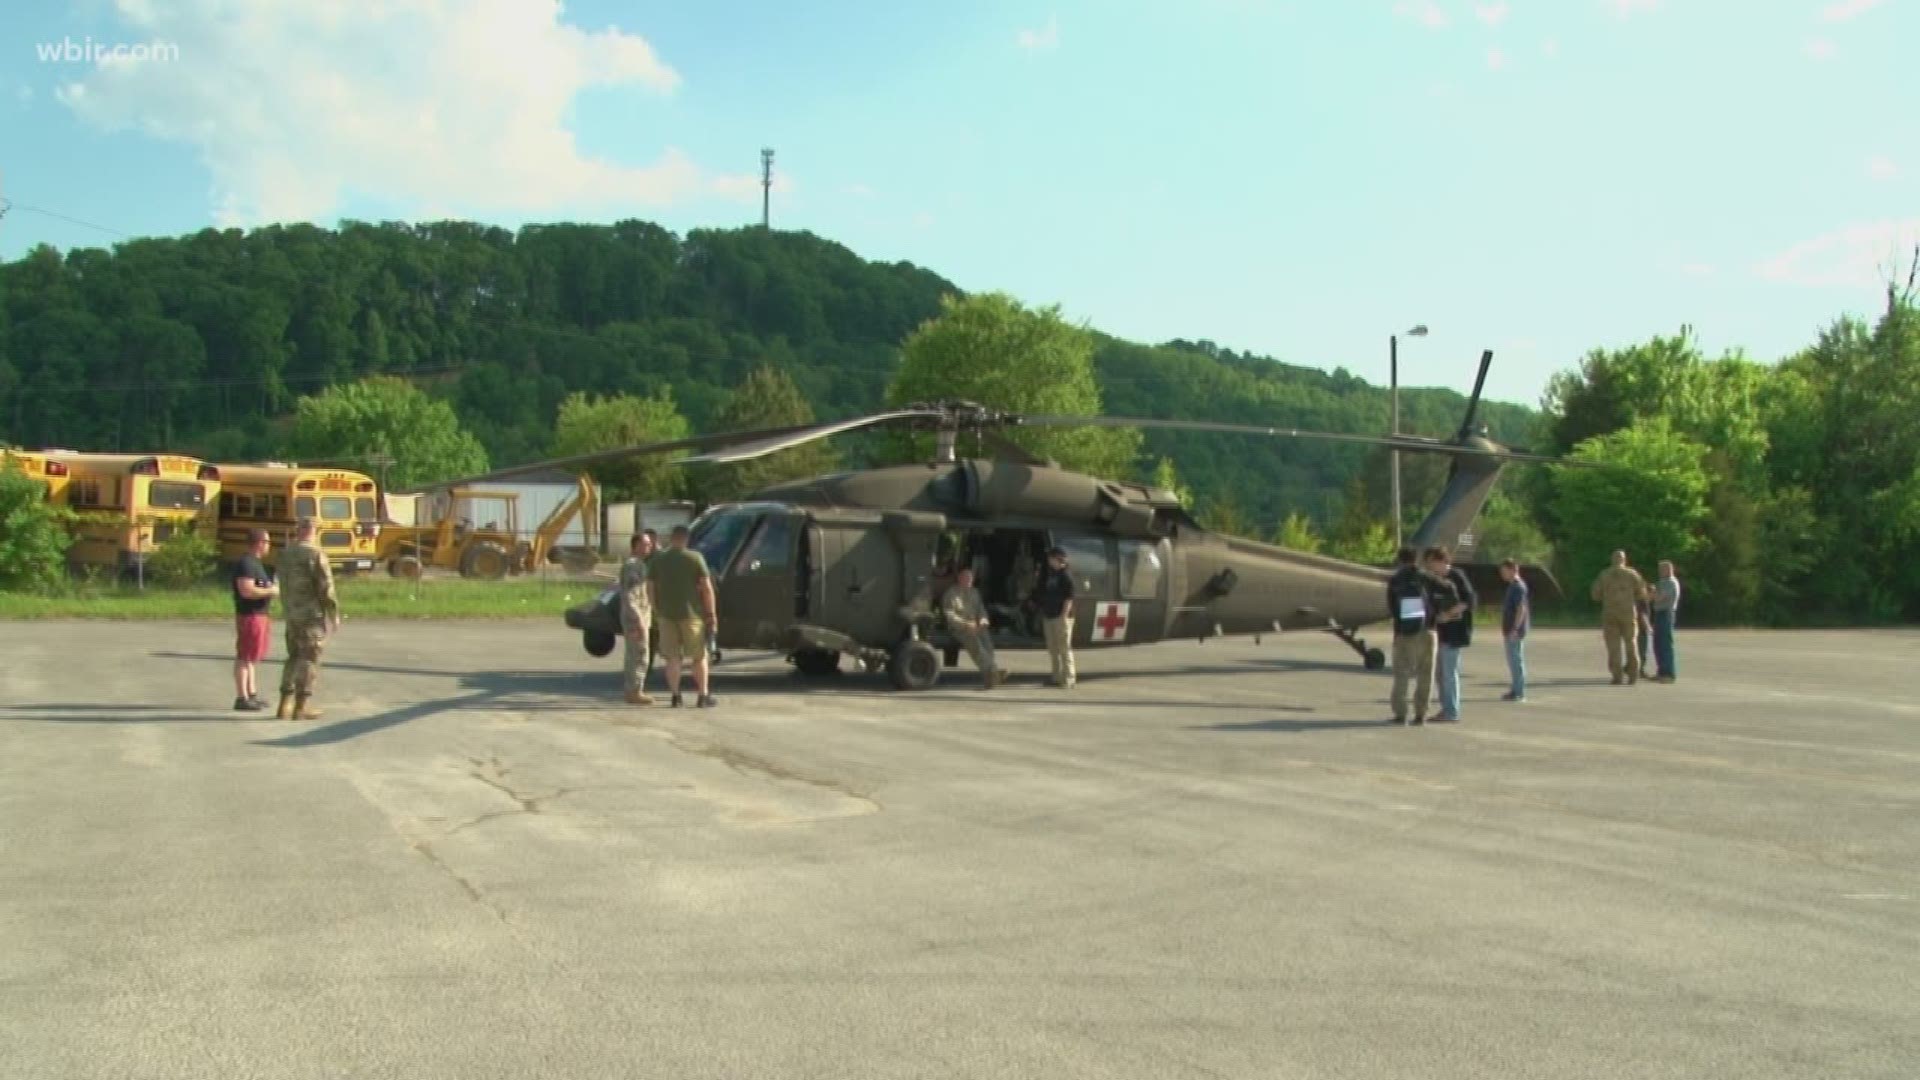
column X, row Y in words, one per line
column 1291, row 725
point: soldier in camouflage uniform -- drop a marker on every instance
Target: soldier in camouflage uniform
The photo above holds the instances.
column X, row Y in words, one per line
column 311, row 610
column 1619, row 589
column 966, row 617
column 636, row 616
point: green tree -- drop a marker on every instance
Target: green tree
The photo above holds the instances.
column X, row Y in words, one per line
column 1223, row 515
column 992, row 350
column 1372, row 545
column 768, row 399
column 1166, row 479
column 33, row 533
column 588, row 424
column 1506, row 530
column 1648, row 500
column 387, row 416
column 1297, row 533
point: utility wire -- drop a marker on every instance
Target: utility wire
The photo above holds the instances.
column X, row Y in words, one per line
column 65, row 218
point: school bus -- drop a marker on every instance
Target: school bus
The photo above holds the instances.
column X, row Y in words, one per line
column 129, row 504
column 345, row 507
column 51, row 474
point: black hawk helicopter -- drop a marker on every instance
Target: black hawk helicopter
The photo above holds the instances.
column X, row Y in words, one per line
column 853, row 564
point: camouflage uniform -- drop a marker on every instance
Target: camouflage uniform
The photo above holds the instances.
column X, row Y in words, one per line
column 1619, row 590
column 636, row 617
column 963, row 610
column 308, row 603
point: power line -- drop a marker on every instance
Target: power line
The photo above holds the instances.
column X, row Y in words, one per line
column 66, row 218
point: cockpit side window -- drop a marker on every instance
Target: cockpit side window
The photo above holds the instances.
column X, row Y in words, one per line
column 718, row 537
column 772, row 548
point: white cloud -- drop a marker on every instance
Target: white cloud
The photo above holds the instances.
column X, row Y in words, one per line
column 1852, row 257
column 1491, row 14
column 858, row 191
column 1046, row 37
column 1821, row 49
column 922, row 220
column 1698, row 269
column 23, row 93
column 1625, row 8
column 1496, row 59
column 294, row 107
column 1550, row 48
column 1842, row 10
column 1425, row 12
column 1881, row 167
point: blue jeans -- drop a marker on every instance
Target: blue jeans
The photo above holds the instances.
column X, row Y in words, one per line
column 1663, row 643
column 1449, row 679
column 1517, row 665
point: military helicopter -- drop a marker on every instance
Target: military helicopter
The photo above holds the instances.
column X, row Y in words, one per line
column 852, row 564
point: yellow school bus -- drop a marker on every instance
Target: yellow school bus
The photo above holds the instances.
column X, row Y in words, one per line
column 345, row 507
column 51, row 474
column 129, row 504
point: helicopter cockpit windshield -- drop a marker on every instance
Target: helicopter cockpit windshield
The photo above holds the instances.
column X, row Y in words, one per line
column 718, row 534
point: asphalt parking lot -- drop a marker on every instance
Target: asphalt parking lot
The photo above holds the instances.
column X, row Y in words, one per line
column 1207, row 860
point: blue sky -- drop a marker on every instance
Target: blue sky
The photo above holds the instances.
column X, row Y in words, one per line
column 1298, row 179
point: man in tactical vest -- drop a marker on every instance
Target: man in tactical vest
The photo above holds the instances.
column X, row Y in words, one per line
column 1414, row 603
column 311, row 610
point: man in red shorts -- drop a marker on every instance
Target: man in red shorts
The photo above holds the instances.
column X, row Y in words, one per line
column 253, row 593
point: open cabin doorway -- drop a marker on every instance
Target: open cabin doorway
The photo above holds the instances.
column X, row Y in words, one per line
column 1006, row 565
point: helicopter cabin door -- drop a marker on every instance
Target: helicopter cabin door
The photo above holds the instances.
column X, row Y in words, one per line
column 765, row 584
column 1120, row 588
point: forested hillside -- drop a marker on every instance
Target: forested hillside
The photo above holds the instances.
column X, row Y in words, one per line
column 204, row 343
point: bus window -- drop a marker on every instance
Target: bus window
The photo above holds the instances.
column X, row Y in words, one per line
column 363, row 509
column 175, row 495
column 336, row 508
column 303, row 506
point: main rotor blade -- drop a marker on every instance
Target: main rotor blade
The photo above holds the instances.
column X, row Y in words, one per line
column 792, row 437
column 1411, row 443
column 577, row 461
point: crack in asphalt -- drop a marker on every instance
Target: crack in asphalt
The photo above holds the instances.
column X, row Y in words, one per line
column 749, row 764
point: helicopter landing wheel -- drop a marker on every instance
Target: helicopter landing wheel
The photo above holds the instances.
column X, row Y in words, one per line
column 1375, row 659
column 915, row 666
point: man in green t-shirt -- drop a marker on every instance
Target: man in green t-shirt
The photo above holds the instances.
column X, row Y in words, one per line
column 683, row 611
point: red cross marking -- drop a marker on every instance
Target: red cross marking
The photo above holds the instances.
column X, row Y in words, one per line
column 1111, row 623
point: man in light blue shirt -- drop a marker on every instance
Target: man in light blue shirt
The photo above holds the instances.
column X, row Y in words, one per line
column 1666, row 608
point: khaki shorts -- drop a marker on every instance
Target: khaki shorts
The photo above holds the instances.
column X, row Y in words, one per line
column 682, row 639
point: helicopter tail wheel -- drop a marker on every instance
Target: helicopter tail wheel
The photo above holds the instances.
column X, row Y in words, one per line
column 1375, row 659
column 915, row 666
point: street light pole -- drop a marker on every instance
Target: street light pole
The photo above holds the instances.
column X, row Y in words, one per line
column 1393, row 396
column 1393, row 428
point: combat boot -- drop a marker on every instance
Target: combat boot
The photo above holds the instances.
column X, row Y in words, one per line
column 304, row 711
column 285, row 711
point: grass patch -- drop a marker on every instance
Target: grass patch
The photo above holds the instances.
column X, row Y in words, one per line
column 360, row 597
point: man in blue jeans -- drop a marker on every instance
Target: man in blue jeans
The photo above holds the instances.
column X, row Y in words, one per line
column 1515, row 616
column 1455, row 626
column 1666, row 608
